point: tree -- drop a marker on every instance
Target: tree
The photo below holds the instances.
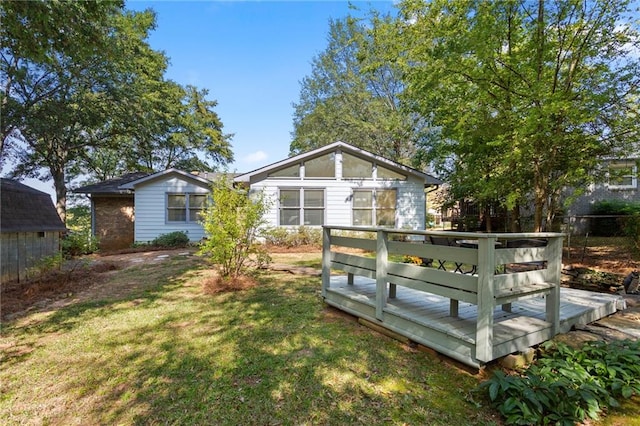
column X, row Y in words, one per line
column 232, row 222
column 347, row 98
column 528, row 96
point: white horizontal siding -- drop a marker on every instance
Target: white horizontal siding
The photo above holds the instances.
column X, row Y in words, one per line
column 150, row 209
column 338, row 194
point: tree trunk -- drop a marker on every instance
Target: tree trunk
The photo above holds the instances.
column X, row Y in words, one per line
column 514, row 220
column 61, row 193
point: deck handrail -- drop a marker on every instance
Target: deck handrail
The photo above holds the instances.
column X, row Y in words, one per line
column 484, row 288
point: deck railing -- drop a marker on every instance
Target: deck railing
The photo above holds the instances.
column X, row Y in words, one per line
column 483, row 269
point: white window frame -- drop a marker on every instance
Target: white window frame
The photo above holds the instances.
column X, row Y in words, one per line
column 620, row 164
column 187, row 207
column 374, row 205
column 301, row 207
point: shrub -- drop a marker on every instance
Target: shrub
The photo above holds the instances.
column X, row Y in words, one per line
column 79, row 240
column 294, row 237
column 612, row 226
column 232, row 221
column 172, row 239
column 46, row 265
column 566, row 386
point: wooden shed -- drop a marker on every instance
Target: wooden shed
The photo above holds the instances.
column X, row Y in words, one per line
column 30, row 229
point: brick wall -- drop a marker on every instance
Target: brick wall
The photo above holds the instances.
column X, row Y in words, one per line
column 114, row 217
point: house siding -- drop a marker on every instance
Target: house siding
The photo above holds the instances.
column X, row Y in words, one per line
column 410, row 207
column 583, row 205
column 150, row 208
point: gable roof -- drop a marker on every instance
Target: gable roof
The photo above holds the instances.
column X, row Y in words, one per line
column 25, row 209
column 111, row 186
column 189, row 176
column 345, row 147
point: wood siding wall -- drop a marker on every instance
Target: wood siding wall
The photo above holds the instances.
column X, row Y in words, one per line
column 410, row 207
column 151, row 209
column 20, row 251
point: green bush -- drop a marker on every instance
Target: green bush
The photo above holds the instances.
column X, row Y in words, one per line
column 79, row 240
column 294, row 237
column 172, row 239
column 78, row 243
column 566, row 386
column 612, row 226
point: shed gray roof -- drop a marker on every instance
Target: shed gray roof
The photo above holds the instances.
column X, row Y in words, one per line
column 25, row 209
column 112, row 186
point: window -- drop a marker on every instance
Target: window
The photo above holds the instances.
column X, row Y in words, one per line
column 374, row 207
column 301, row 206
column 384, row 173
column 185, row 207
column 289, row 172
column 355, row 167
column 623, row 175
column 321, row 167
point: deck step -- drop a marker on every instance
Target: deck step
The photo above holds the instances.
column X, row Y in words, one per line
column 523, row 292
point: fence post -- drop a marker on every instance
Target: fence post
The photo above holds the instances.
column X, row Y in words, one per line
column 486, row 300
column 554, row 272
column 382, row 252
column 326, row 260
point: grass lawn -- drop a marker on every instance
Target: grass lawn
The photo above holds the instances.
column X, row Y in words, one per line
column 169, row 353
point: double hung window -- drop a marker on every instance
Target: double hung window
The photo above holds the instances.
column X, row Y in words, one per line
column 185, row 207
column 374, row 207
column 301, row 206
column 623, row 175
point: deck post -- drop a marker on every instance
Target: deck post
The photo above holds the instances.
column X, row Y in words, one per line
column 554, row 271
column 326, row 260
column 382, row 252
column 486, row 300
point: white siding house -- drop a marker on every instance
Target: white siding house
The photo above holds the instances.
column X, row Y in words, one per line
column 166, row 202
column 340, row 184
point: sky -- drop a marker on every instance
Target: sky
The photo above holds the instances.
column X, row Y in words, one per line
column 251, row 56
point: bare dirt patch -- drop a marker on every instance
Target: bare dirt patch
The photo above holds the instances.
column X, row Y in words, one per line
column 218, row 284
column 78, row 280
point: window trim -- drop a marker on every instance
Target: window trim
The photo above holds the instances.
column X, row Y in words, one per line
column 374, row 206
column 623, row 164
column 301, row 207
column 187, row 207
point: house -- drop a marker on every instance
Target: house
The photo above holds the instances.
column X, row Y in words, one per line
column 620, row 182
column 337, row 184
column 30, row 229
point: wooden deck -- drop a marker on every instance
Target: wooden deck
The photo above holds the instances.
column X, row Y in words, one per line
column 474, row 317
column 424, row 318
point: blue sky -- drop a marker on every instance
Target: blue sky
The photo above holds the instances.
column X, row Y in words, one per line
column 251, row 56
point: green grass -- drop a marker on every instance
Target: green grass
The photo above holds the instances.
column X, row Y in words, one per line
column 170, row 354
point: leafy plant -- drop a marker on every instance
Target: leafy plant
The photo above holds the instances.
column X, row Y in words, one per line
column 45, row 265
column 232, row 223
column 566, row 385
column 172, row 239
column 293, row 237
column 80, row 240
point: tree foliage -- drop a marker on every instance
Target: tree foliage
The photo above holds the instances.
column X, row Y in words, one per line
column 529, row 96
column 83, row 92
column 349, row 99
column 232, row 221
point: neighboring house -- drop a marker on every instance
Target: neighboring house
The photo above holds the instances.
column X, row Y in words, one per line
column 337, row 184
column 30, row 229
column 620, row 183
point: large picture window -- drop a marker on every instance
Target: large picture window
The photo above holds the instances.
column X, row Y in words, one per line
column 374, row 206
column 623, row 175
column 301, row 206
column 185, row 207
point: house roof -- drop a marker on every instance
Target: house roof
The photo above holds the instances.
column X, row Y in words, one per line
column 429, row 180
column 25, row 209
column 190, row 176
column 111, row 186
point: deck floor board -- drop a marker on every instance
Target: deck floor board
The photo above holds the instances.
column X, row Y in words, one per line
column 526, row 321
